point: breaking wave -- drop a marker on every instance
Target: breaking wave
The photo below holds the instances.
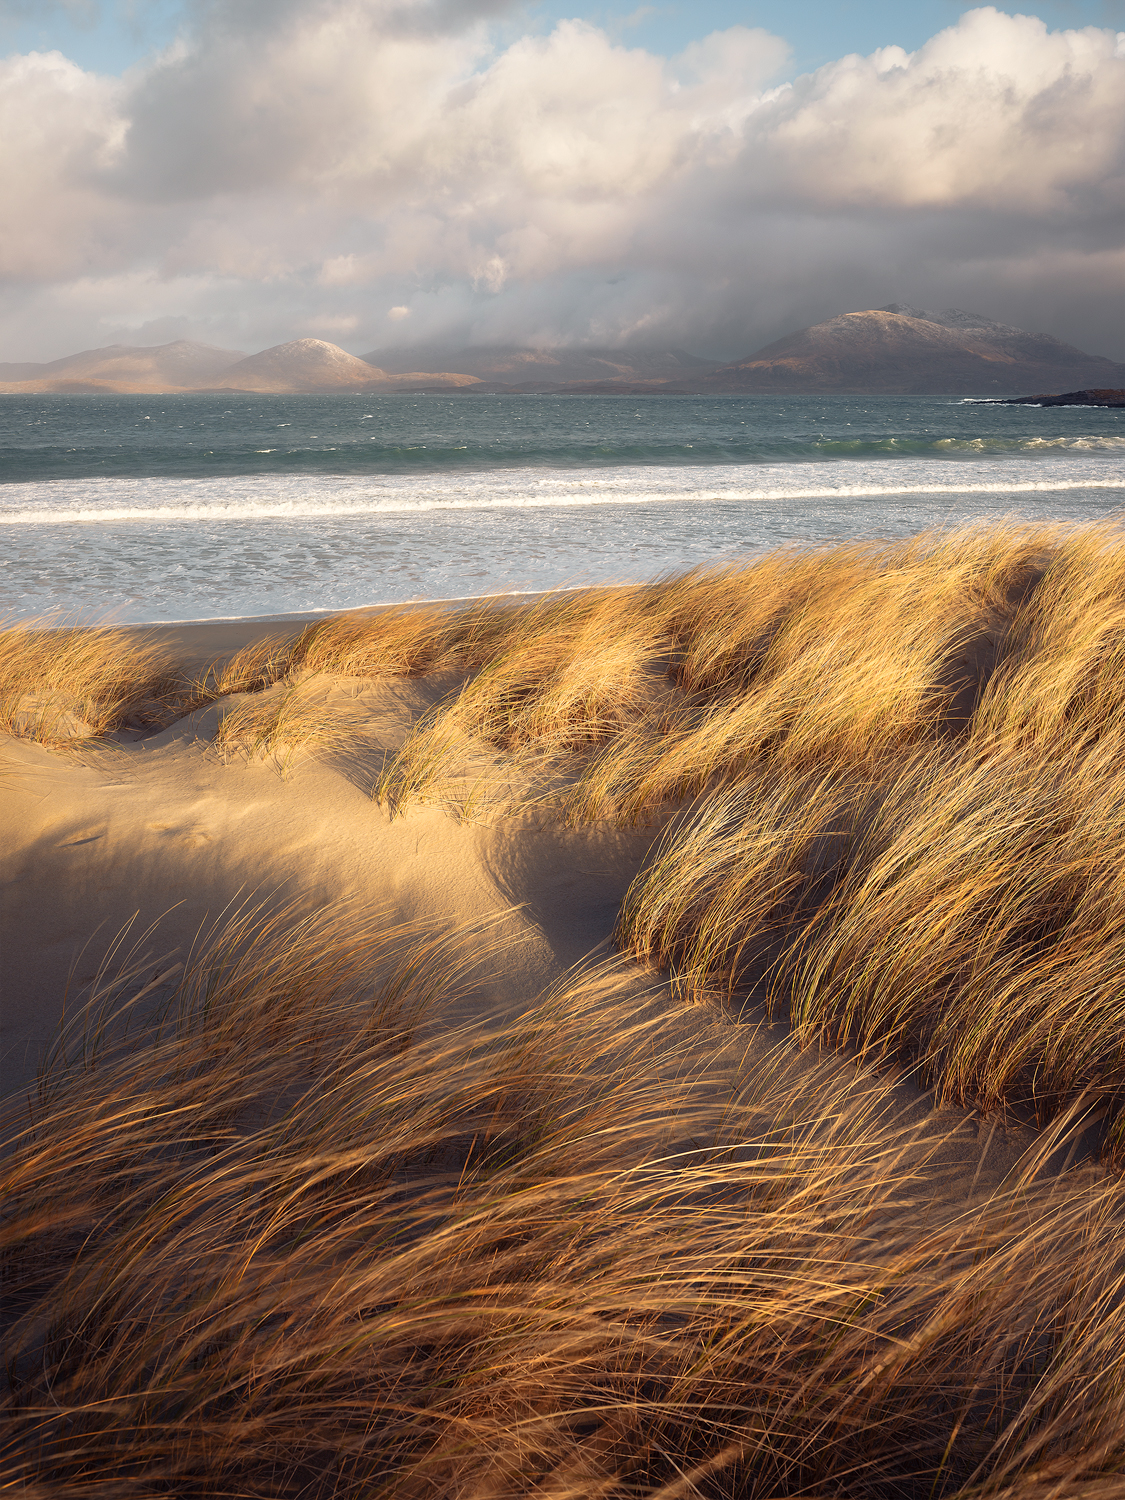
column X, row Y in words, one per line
column 340, row 497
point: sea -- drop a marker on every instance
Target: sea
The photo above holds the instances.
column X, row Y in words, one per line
column 137, row 509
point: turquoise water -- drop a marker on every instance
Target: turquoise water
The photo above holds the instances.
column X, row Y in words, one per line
column 159, row 508
column 71, row 437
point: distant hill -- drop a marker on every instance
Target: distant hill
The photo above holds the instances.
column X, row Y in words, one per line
column 311, row 365
column 303, row 365
column 902, row 350
column 515, row 367
column 887, row 350
column 123, row 367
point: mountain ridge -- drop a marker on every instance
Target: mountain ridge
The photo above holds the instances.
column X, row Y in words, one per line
column 300, row 366
column 524, row 366
column 899, row 350
column 892, row 350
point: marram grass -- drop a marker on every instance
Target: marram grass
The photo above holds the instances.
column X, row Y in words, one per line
column 301, row 1244
column 304, row 1244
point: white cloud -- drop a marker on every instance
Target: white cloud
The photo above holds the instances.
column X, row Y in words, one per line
column 995, row 112
column 62, row 129
column 313, row 162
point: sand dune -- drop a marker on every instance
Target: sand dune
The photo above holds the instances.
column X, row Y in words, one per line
column 690, row 1010
column 166, row 830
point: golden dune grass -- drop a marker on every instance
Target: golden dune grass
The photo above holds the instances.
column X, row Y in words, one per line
column 255, row 667
column 303, row 1244
column 300, row 1244
column 65, row 682
column 908, row 759
column 949, row 892
column 845, row 653
column 561, row 676
column 294, row 717
column 899, row 764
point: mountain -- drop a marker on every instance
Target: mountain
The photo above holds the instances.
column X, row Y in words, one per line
column 514, row 367
column 182, row 365
column 309, row 365
column 900, row 349
column 887, row 350
column 302, row 365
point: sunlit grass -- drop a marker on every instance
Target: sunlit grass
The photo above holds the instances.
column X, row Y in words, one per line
column 301, row 1237
column 301, row 1243
column 60, row 683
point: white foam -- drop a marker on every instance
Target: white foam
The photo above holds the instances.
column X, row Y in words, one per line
column 246, row 499
column 142, row 550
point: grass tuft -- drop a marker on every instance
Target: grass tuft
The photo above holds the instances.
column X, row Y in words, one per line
column 294, row 716
column 60, row 683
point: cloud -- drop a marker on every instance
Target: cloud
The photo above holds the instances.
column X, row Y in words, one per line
column 62, row 129
column 305, row 163
column 995, row 112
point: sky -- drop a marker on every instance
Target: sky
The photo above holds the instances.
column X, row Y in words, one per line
column 707, row 176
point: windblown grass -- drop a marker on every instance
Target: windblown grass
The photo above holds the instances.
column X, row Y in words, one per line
column 59, row 684
column 257, row 666
column 551, row 681
column 303, row 1243
column 944, row 886
column 902, row 769
column 897, row 770
column 293, row 717
column 63, row 683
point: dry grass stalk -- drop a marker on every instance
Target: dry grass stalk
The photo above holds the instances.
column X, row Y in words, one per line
column 293, row 717
column 60, row 683
column 300, row 1244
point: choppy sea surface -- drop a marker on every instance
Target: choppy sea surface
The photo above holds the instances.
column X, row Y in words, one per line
column 160, row 508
